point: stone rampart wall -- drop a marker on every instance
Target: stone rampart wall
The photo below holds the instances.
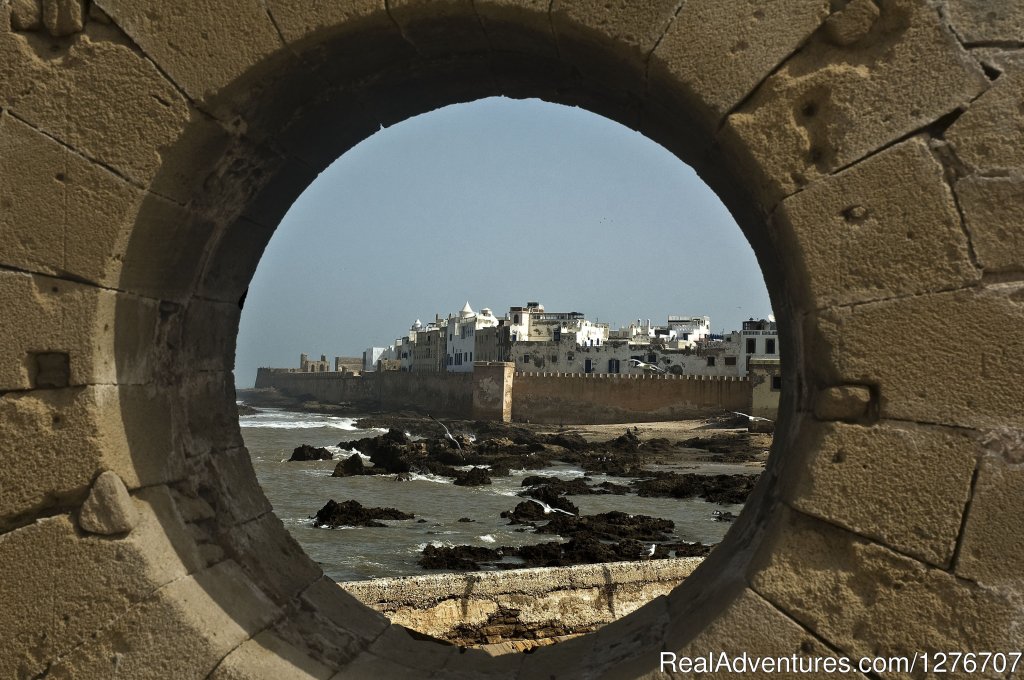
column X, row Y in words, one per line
column 536, row 397
column 549, row 397
column 442, row 393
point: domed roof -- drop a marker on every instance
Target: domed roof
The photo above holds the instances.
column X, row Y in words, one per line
column 467, row 310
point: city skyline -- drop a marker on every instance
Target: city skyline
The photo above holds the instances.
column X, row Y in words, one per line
column 497, row 202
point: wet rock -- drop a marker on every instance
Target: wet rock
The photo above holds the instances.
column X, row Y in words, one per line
column 457, row 558
column 465, row 520
column 696, row 549
column 574, row 487
column 476, row 476
column 630, row 441
column 610, row 526
column 351, row 513
column 246, row 410
column 719, row 516
column 350, row 467
column 725, row 489
column 305, row 452
column 388, row 451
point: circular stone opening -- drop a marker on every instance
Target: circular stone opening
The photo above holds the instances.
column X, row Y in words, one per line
column 571, row 209
column 182, row 144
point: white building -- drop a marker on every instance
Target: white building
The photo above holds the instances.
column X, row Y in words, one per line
column 687, row 331
column 532, row 324
column 758, row 339
column 370, row 357
column 462, row 337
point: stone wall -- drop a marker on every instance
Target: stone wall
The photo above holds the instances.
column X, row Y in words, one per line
column 450, row 394
column 603, row 398
column 872, row 152
column 492, row 392
column 491, row 607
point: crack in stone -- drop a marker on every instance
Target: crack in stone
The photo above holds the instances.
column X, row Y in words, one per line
column 958, row 546
column 94, row 161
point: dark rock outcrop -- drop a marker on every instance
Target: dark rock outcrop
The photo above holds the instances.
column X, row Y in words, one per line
column 350, row 467
column 305, row 452
column 610, row 526
column 457, row 558
column 724, row 489
column 476, row 476
column 352, row 514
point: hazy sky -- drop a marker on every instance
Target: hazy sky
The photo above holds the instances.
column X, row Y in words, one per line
column 496, row 202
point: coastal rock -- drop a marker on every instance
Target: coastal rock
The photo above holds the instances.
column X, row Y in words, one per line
column 305, row 452
column 630, row 441
column 723, row 489
column 246, row 410
column 457, row 558
column 574, row 487
column 476, row 476
column 350, row 467
column 351, row 513
column 610, row 526
column 389, row 451
column 696, row 549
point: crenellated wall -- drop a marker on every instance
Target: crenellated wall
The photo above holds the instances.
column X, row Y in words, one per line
column 535, row 397
column 612, row 398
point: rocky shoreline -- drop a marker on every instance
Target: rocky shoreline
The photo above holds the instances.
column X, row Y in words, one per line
column 474, row 453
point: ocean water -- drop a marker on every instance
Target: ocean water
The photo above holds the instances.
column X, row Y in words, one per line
column 297, row 490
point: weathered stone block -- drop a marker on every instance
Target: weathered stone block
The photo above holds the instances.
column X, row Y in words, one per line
column 611, row 41
column 926, row 377
column 268, row 656
column 211, row 417
column 991, row 207
column 721, row 50
column 852, row 23
column 518, row 26
column 980, row 21
column 830, row 105
column 993, row 533
column 344, row 611
column 42, row 315
column 299, row 19
column 845, row 402
column 271, row 557
column 440, row 27
column 903, row 485
column 989, row 136
column 869, row 601
column 748, row 623
column 58, row 212
column 70, row 98
column 209, row 334
column 57, row 441
column 64, row 17
column 193, row 43
column 26, row 15
column 162, row 259
column 239, row 496
column 81, row 583
column 183, row 630
column 853, row 239
column 108, row 509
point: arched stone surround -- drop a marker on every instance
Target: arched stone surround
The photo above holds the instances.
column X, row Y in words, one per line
column 870, row 151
